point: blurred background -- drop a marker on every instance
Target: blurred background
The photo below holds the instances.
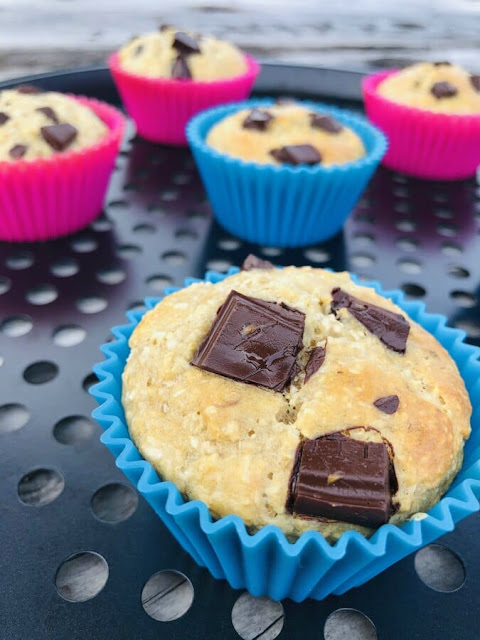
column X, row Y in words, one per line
column 41, row 35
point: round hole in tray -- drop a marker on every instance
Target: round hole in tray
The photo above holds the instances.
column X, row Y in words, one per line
column 136, row 305
column 101, row 224
column 13, row 416
column 69, row 335
column 229, row 244
column 364, row 239
column 444, row 213
column 65, row 267
column 168, row 195
column 413, row 290
column 16, row 326
column 88, row 381
column 167, row 595
column 407, row 244
column 366, row 218
column 186, row 234
column 174, row 258
column 470, row 326
column 81, row 576
column 218, row 265
column 408, row 265
column 145, row 228
column 114, row 502
column 114, row 275
column 401, row 207
column 91, row 304
column 40, row 487
column 40, row 372
column 456, row 271
column 181, row 178
column 362, row 260
column 84, row 244
column 271, row 252
column 316, row 255
column 20, row 260
column 5, row 284
column 257, row 618
column 73, row 429
column 463, row 298
column 128, row 251
column 450, row 249
column 42, row 294
column 447, row 230
column 2, row 360
column 439, row 568
column 158, row 282
column 406, row 225
column 349, row 623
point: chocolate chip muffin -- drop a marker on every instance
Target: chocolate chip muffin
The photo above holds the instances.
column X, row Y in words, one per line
column 437, row 86
column 297, row 398
column 36, row 124
column 182, row 55
column 286, row 133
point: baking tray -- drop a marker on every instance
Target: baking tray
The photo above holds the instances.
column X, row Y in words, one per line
column 58, row 300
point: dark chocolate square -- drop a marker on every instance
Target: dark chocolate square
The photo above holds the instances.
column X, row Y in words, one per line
column 253, row 341
column 339, row 478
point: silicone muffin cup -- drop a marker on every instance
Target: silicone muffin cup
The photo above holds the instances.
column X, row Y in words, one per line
column 422, row 143
column 283, row 206
column 266, row 563
column 50, row 197
column 161, row 107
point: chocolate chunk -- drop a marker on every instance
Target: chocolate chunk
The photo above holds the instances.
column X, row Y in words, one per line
column 3, row 118
column 390, row 328
column 258, row 119
column 315, row 361
column 326, row 123
column 443, row 90
column 180, row 69
column 59, row 136
column 348, row 480
column 138, row 50
column 28, row 88
column 253, row 341
column 185, row 44
column 253, row 262
column 18, row 151
column 387, row 404
column 164, row 27
column 442, row 63
column 297, row 154
column 475, row 80
column 49, row 112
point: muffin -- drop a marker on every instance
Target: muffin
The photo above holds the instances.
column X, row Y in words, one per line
column 166, row 77
column 56, row 155
column 283, row 174
column 278, row 134
column 430, row 113
column 294, row 397
column 269, row 562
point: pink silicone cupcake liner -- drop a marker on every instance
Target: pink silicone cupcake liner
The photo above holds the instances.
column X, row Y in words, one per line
column 423, row 143
column 50, row 197
column 161, row 107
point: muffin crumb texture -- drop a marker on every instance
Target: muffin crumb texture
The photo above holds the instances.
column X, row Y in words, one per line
column 286, row 133
column 297, row 398
column 436, row 86
column 182, row 55
column 36, row 124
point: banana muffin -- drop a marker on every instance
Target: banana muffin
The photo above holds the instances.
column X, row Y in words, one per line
column 182, row 55
column 286, row 133
column 297, row 398
column 437, row 86
column 36, row 124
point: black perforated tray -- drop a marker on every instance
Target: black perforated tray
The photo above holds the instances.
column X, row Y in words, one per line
column 156, row 229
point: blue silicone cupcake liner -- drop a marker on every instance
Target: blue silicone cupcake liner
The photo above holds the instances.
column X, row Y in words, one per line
column 266, row 563
column 284, row 206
